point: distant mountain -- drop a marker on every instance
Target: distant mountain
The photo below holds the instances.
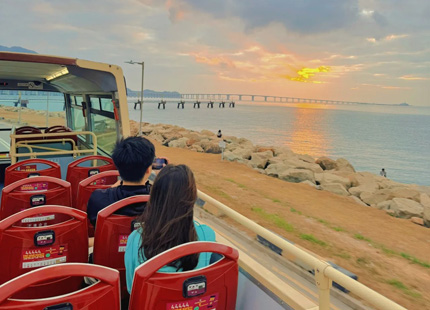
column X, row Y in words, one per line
column 16, row 49
column 404, row 104
column 154, row 94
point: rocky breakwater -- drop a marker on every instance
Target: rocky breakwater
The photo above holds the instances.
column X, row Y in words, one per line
column 336, row 176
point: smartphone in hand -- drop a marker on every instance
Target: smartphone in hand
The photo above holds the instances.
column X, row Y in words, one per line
column 159, row 163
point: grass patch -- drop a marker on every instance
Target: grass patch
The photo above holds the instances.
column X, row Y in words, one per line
column 219, row 192
column 274, row 218
column 295, row 211
column 276, row 200
column 342, row 255
column 362, row 261
column 399, row 285
column 313, row 239
column 323, row 222
column 415, row 260
column 338, row 229
column 234, row 182
column 384, row 249
column 361, row 237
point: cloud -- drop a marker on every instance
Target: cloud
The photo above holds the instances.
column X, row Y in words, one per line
column 306, row 74
column 413, row 78
column 311, row 16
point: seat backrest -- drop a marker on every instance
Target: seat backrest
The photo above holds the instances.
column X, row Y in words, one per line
column 85, row 167
column 111, row 235
column 29, row 240
column 31, row 167
column 104, row 294
column 27, row 130
column 212, row 287
column 60, row 129
column 32, row 192
column 87, row 186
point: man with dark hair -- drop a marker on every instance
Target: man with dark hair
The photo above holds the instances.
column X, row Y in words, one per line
column 133, row 158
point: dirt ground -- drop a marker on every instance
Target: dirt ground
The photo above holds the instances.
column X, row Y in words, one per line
column 389, row 255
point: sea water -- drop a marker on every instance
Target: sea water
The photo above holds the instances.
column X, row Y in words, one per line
column 370, row 137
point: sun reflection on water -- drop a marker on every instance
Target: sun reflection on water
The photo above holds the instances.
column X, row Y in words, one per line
column 308, row 134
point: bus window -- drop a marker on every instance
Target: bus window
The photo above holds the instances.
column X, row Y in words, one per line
column 78, row 122
column 103, row 123
column 32, row 108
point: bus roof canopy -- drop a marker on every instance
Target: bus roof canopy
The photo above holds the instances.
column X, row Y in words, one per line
column 19, row 71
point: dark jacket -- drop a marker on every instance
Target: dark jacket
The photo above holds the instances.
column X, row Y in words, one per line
column 101, row 198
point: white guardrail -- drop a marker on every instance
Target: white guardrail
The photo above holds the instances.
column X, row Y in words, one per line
column 325, row 274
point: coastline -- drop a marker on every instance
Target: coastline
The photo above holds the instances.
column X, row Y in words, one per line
column 379, row 248
column 408, row 201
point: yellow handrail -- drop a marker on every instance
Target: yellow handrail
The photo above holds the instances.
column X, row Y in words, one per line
column 14, row 156
column 324, row 272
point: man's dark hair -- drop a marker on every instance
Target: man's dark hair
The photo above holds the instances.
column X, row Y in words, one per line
column 132, row 156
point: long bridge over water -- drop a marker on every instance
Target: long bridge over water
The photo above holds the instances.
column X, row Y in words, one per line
column 264, row 98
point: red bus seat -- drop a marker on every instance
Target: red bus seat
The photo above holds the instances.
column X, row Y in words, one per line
column 86, row 187
column 77, row 173
column 212, row 287
column 32, row 192
column 25, row 246
column 27, row 130
column 60, row 129
column 110, row 239
column 104, row 294
column 31, row 167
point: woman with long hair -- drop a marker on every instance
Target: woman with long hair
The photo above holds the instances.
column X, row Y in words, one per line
column 167, row 222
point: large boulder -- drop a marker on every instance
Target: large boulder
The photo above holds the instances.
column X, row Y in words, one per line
column 283, row 151
column 368, row 187
column 335, row 188
column 208, row 133
column 259, row 160
column 306, row 158
column 357, row 200
column 243, row 153
column 274, row 170
column 375, row 198
column 329, row 178
column 326, row 163
column 212, row 148
column 405, row 192
column 406, row 208
column 425, row 202
column 297, row 175
column 384, row 205
column 181, row 143
column 297, row 163
column 360, row 178
column 343, row 165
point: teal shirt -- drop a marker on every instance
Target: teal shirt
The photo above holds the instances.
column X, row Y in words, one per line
column 133, row 257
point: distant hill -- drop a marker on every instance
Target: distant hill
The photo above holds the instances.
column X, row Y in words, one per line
column 16, row 49
column 404, row 104
column 152, row 93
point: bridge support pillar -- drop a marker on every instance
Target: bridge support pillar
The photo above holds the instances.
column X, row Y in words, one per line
column 197, row 103
column 163, row 104
column 181, row 103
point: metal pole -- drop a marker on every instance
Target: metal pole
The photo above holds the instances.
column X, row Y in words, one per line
column 47, row 110
column 141, row 100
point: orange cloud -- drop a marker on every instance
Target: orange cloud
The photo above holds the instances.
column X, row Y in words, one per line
column 305, row 74
column 413, row 78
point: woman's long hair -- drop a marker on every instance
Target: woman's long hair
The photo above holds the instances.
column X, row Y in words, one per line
column 168, row 217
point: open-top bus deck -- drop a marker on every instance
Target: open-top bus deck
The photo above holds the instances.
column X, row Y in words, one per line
column 89, row 100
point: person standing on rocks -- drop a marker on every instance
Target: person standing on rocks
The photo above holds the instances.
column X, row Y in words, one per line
column 383, row 173
column 219, row 134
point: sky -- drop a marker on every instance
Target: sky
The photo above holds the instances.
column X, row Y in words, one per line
column 352, row 50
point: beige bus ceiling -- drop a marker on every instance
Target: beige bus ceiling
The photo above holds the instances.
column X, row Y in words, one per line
column 34, row 72
column 38, row 72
